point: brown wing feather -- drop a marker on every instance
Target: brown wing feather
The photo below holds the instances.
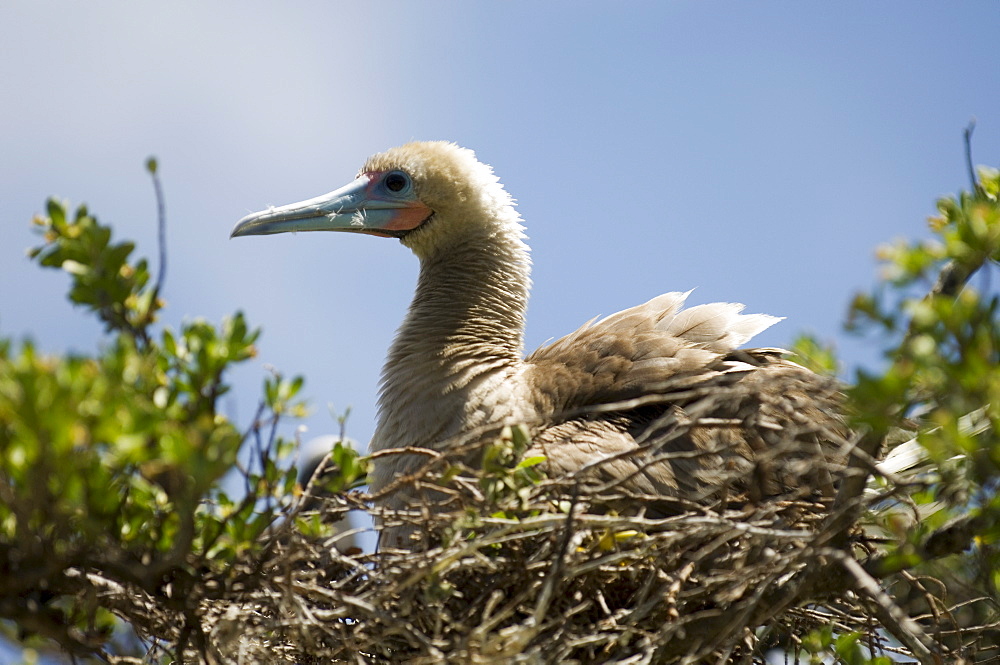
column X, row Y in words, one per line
column 773, row 430
column 632, row 351
column 715, row 423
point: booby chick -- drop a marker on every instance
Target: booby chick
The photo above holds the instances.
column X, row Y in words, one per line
column 456, row 366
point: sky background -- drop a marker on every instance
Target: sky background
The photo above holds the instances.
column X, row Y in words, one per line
column 757, row 152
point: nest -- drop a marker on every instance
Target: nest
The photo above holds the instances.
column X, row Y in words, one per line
column 506, row 565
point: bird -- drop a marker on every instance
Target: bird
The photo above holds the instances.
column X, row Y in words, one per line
column 456, row 368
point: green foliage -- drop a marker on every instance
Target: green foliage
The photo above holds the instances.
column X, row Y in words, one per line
column 944, row 348
column 507, row 479
column 112, row 463
column 941, row 335
column 936, row 406
column 814, row 355
column 352, row 471
column 103, row 279
column 847, row 648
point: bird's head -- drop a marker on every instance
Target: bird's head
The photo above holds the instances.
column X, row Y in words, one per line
column 428, row 194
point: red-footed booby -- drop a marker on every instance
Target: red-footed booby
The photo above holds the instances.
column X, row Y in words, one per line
column 457, row 366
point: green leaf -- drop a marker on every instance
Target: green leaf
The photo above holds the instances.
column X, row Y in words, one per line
column 528, row 462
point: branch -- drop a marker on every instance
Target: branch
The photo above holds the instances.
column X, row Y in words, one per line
column 967, row 134
column 161, row 217
column 954, row 275
column 892, row 618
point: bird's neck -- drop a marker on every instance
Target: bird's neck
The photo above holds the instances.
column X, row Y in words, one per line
column 470, row 303
column 462, row 339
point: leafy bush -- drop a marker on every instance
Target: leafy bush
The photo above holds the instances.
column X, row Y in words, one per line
column 111, row 463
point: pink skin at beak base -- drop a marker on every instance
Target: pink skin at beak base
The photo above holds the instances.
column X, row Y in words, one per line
column 405, row 218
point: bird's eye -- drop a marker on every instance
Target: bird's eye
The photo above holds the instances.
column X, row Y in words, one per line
column 397, row 181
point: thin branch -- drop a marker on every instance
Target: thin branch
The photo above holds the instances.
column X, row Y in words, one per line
column 161, row 219
column 968, row 155
column 955, row 274
column 889, row 614
column 555, row 573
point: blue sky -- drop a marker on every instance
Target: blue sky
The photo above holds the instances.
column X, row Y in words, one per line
column 757, row 152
